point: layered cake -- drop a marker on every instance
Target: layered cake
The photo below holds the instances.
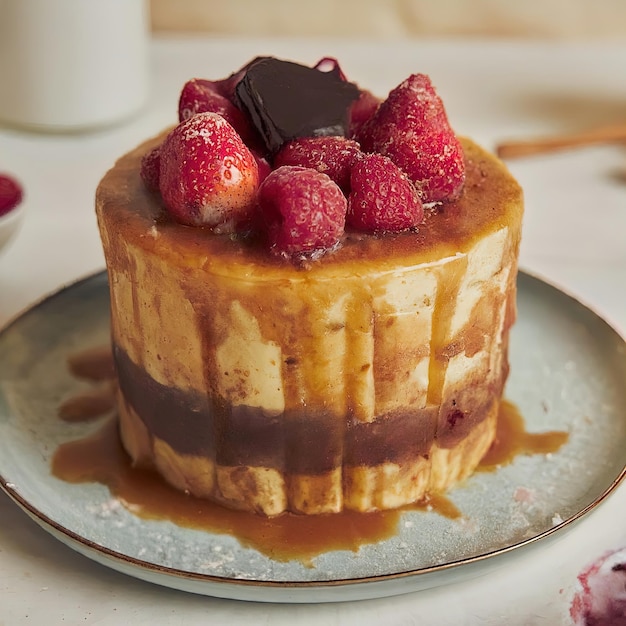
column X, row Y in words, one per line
column 311, row 292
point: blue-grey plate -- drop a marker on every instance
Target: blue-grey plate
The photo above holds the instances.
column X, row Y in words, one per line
column 568, row 369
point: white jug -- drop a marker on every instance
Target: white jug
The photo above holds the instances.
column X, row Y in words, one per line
column 71, row 65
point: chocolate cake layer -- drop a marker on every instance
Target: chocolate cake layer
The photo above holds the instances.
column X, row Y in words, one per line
column 298, row 442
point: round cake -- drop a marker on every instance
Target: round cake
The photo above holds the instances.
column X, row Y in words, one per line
column 363, row 379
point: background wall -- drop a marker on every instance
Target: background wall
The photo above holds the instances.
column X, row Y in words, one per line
column 563, row 19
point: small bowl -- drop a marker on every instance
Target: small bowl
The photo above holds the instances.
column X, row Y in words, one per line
column 9, row 224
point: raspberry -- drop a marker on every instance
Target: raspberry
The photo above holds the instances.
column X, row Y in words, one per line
column 333, row 156
column 304, row 211
column 361, row 111
column 10, row 194
column 199, row 95
column 150, row 165
column 207, row 175
column 412, row 129
column 382, row 197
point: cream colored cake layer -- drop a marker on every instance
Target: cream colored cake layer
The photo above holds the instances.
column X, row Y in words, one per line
column 364, row 345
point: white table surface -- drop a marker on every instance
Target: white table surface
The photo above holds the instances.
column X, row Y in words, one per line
column 574, row 236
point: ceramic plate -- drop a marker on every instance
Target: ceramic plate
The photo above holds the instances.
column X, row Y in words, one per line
column 568, row 369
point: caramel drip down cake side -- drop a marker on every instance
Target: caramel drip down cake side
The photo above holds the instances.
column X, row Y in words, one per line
column 361, row 383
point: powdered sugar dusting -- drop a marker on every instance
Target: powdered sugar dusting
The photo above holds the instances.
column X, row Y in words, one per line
column 208, row 176
column 412, row 129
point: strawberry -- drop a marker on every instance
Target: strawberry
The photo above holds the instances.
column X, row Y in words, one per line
column 329, row 64
column 411, row 128
column 199, row 95
column 207, row 175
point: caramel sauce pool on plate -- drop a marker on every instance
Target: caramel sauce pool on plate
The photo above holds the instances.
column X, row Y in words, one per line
column 101, row 458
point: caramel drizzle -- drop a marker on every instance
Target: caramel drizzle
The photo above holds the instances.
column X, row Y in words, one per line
column 449, row 281
column 100, row 458
column 512, row 440
column 96, row 366
column 90, row 404
column 359, row 357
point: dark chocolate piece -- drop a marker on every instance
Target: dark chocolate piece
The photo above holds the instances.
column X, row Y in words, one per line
column 285, row 100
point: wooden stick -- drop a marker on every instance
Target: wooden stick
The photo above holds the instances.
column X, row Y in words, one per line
column 607, row 134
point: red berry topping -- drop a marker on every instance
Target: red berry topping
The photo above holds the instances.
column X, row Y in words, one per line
column 361, row 111
column 199, row 95
column 226, row 86
column 207, row 174
column 382, row 197
column 411, row 128
column 150, row 165
column 264, row 167
column 10, row 194
column 333, row 156
column 304, row 211
column 329, row 64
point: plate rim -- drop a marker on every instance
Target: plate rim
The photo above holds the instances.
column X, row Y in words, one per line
column 89, row 548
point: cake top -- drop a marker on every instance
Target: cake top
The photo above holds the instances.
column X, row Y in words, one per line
column 298, row 156
column 491, row 200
